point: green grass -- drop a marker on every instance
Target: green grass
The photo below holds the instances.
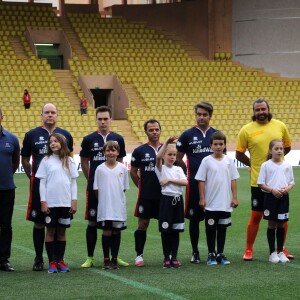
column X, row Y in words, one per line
column 258, row 279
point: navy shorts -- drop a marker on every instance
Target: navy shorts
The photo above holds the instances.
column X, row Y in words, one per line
column 91, row 204
column 192, row 209
column 217, row 219
column 34, row 212
column 58, row 216
column 257, row 198
column 147, row 208
column 111, row 225
column 171, row 214
column 276, row 209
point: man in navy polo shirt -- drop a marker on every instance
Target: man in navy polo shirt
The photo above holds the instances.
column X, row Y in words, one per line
column 195, row 143
column 35, row 146
column 142, row 172
column 92, row 156
column 9, row 162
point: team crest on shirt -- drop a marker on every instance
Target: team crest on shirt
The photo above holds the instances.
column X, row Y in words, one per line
column 141, row 209
column 48, row 220
column 210, row 222
column 132, row 158
column 34, row 213
column 121, row 174
column 254, row 202
column 191, row 212
column 266, row 212
column 92, row 212
column 179, row 144
column 165, row 225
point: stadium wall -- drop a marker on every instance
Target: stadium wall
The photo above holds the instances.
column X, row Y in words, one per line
column 266, row 34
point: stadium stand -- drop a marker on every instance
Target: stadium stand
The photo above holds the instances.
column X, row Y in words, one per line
column 159, row 76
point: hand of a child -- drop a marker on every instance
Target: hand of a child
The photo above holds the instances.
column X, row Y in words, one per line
column 234, row 203
column 202, row 203
column 164, row 182
column 277, row 193
column 73, row 207
column 172, row 139
column 44, row 207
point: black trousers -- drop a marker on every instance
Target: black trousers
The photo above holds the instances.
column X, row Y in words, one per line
column 7, row 200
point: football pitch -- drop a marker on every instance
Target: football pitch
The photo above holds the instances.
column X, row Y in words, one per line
column 258, row 279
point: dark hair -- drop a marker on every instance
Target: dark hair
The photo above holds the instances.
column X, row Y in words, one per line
column 151, row 121
column 204, row 105
column 111, row 145
column 218, row 135
column 271, row 144
column 261, row 100
column 64, row 152
column 104, row 108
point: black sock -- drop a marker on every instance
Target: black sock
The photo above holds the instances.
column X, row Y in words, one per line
column 194, row 235
column 38, row 242
column 106, row 241
column 50, row 248
column 60, row 248
column 271, row 239
column 211, row 238
column 115, row 244
column 221, row 238
column 140, row 240
column 174, row 244
column 91, row 239
column 280, row 238
column 166, row 244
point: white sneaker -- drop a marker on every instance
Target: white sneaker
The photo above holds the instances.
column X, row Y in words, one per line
column 282, row 257
column 139, row 261
column 274, row 258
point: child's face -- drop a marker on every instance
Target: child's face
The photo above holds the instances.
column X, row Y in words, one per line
column 218, row 146
column 170, row 156
column 54, row 144
column 111, row 154
column 277, row 150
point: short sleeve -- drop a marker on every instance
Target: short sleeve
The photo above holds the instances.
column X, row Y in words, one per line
column 135, row 158
column 242, row 141
column 182, row 145
column 73, row 168
column 202, row 171
column 42, row 170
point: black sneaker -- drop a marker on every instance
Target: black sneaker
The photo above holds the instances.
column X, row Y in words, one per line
column 175, row 264
column 195, row 258
column 6, row 266
column 222, row 259
column 106, row 264
column 38, row 265
column 114, row 264
column 167, row 264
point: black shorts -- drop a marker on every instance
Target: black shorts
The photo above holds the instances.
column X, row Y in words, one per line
column 147, row 208
column 192, row 209
column 112, row 225
column 58, row 216
column 34, row 212
column 276, row 209
column 91, row 204
column 257, row 198
column 217, row 219
column 171, row 214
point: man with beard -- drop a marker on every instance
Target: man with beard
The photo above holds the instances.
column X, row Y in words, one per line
column 256, row 136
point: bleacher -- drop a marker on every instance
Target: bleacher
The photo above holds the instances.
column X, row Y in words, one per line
column 167, row 80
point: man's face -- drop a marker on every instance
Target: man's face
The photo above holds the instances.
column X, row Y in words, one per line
column 153, row 132
column 202, row 118
column 103, row 122
column 49, row 115
column 261, row 112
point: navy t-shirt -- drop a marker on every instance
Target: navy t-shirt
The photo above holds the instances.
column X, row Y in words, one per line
column 92, row 148
column 35, row 144
column 196, row 146
column 144, row 158
column 9, row 146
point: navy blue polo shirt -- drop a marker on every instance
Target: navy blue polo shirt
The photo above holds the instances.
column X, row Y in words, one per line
column 35, row 144
column 196, row 145
column 144, row 158
column 9, row 146
column 92, row 148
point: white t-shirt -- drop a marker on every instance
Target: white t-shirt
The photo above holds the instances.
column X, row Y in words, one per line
column 111, row 184
column 276, row 176
column 174, row 172
column 217, row 175
column 58, row 180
